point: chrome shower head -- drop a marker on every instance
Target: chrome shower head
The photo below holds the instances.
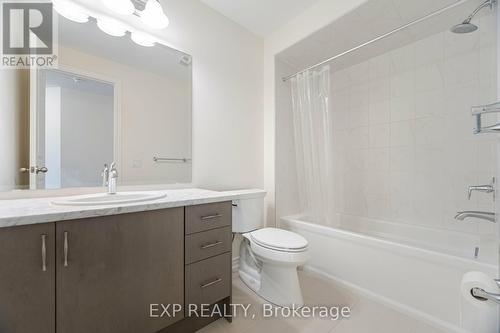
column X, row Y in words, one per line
column 466, row 26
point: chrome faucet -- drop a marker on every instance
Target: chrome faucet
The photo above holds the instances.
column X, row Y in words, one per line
column 112, row 178
column 105, row 175
column 482, row 188
column 491, row 217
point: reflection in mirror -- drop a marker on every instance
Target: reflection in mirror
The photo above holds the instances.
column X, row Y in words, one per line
column 77, row 131
column 109, row 100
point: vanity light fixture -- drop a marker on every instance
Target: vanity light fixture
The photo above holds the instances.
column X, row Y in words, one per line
column 122, row 7
column 111, row 26
column 142, row 39
column 153, row 15
column 71, row 11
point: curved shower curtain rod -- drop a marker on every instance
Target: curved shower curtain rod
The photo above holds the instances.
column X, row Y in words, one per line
column 390, row 33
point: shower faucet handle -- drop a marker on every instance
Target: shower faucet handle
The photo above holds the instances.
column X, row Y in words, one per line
column 481, row 188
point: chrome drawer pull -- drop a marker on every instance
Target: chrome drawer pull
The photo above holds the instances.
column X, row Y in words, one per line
column 204, row 247
column 65, row 246
column 210, row 283
column 211, row 217
column 44, row 253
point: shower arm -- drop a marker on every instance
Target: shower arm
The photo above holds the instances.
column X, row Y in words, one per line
column 489, row 3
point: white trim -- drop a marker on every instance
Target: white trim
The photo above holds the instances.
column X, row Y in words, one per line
column 404, row 309
column 33, row 123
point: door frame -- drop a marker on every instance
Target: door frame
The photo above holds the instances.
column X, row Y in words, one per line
column 35, row 105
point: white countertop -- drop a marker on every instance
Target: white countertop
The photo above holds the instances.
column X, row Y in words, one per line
column 42, row 210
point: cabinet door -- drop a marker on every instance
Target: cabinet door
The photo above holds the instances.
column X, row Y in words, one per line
column 27, row 279
column 115, row 267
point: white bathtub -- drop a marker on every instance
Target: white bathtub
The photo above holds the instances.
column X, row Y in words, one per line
column 416, row 270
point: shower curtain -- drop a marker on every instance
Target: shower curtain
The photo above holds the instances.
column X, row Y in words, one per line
column 310, row 104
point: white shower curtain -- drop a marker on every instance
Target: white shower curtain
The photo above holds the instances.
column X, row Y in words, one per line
column 310, row 97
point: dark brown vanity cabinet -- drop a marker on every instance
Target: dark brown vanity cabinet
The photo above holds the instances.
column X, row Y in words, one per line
column 96, row 275
column 208, row 253
column 27, row 279
column 110, row 269
column 102, row 274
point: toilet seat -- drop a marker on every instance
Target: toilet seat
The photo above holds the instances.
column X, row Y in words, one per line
column 279, row 240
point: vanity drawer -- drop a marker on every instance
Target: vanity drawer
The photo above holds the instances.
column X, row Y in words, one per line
column 208, row 281
column 209, row 216
column 207, row 244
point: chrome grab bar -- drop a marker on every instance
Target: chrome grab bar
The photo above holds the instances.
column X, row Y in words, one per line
column 478, row 111
column 483, row 295
column 167, row 159
column 489, row 108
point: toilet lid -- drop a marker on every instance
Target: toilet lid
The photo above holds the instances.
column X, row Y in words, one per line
column 279, row 239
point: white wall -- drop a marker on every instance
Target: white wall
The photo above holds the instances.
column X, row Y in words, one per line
column 87, row 143
column 404, row 150
column 315, row 18
column 402, row 135
column 53, row 137
column 286, row 188
column 227, row 93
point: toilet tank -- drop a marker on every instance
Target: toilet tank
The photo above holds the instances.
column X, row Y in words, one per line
column 248, row 214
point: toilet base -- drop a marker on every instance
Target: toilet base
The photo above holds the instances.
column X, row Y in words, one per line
column 275, row 282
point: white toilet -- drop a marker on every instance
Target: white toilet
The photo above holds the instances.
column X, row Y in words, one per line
column 268, row 257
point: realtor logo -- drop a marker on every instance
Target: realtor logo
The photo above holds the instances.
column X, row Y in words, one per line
column 27, row 34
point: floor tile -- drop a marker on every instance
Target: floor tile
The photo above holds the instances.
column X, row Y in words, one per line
column 366, row 316
column 371, row 317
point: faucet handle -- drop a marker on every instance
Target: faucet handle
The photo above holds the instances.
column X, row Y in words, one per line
column 113, row 172
column 105, row 175
column 481, row 188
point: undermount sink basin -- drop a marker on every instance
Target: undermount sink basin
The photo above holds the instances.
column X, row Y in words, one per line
column 102, row 199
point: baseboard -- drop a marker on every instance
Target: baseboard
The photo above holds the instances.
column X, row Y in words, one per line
column 236, row 264
column 407, row 310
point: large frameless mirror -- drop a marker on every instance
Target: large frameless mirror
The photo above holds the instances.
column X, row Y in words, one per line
column 108, row 100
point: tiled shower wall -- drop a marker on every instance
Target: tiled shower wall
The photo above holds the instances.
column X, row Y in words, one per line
column 403, row 145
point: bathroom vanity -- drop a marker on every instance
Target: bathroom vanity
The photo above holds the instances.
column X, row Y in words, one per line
column 115, row 269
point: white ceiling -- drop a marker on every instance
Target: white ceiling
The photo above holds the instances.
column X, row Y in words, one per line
column 260, row 16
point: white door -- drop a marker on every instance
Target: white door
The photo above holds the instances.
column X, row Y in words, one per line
column 71, row 113
column 37, row 168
